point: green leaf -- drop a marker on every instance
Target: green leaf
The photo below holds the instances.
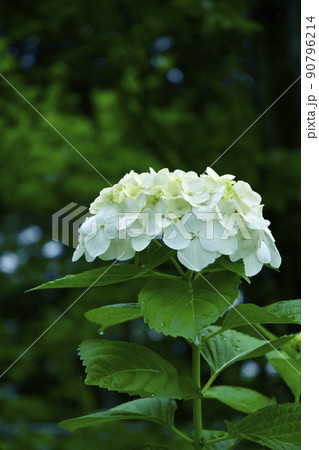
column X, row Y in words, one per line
column 181, row 308
column 272, row 268
column 103, row 276
column 153, row 256
column 227, row 444
column 276, row 427
column 282, row 312
column 236, row 267
column 155, row 410
column 111, row 274
column 239, row 398
column 134, row 369
column 293, row 348
column 231, row 346
column 286, row 308
column 109, row 315
column 289, row 369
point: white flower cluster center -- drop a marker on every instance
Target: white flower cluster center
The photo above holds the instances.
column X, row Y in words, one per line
column 202, row 217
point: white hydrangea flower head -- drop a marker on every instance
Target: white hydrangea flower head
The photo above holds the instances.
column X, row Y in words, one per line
column 201, row 217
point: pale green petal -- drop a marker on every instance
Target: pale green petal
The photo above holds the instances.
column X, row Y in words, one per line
column 230, row 246
column 97, row 244
column 263, row 253
column 140, row 242
column 245, row 193
column 252, row 264
column 79, row 251
column 173, row 238
column 194, row 257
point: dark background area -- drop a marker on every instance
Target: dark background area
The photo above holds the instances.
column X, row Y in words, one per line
column 131, row 85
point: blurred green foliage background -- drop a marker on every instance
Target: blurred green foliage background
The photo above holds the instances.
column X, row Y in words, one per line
column 131, row 85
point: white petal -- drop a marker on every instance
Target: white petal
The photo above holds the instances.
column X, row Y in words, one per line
column 254, row 221
column 263, row 253
column 126, row 219
column 173, row 238
column 227, row 206
column 235, row 257
column 196, row 199
column 89, row 226
column 98, row 244
column 230, row 246
column 111, row 252
column 214, row 175
column 111, row 230
column 210, row 245
column 275, row 258
column 140, row 242
column 202, row 212
column 79, row 251
column 211, row 236
column 246, row 194
column 215, row 198
column 88, row 257
column 194, row 225
column 120, row 249
column 252, row 264
column 124, row 249
column 108, row 213
column 194, row 257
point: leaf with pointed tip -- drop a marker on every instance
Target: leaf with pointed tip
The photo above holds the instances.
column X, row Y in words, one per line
column 182, row 308
column 239, row 398
column 272, row 268
column 289, row 369
column 236, row 267
column 276, row 427
column 133, row 369
column 111, row 274
column 247, row 313
column 160, row 411
column 109, row 315
column 231, row 346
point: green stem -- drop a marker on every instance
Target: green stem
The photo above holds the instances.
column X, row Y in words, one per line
column 222, row 438
column 209, row 383
column 163, row 275
column 182, row 435
column 197, row 402
column 205, row 338
column 268, row 334
column 157, row 243
column 189, row 275
column 137, row 259
column 177, row 266
column 173, row 261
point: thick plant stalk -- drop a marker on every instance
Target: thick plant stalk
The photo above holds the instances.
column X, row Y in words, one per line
column 197, row 403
